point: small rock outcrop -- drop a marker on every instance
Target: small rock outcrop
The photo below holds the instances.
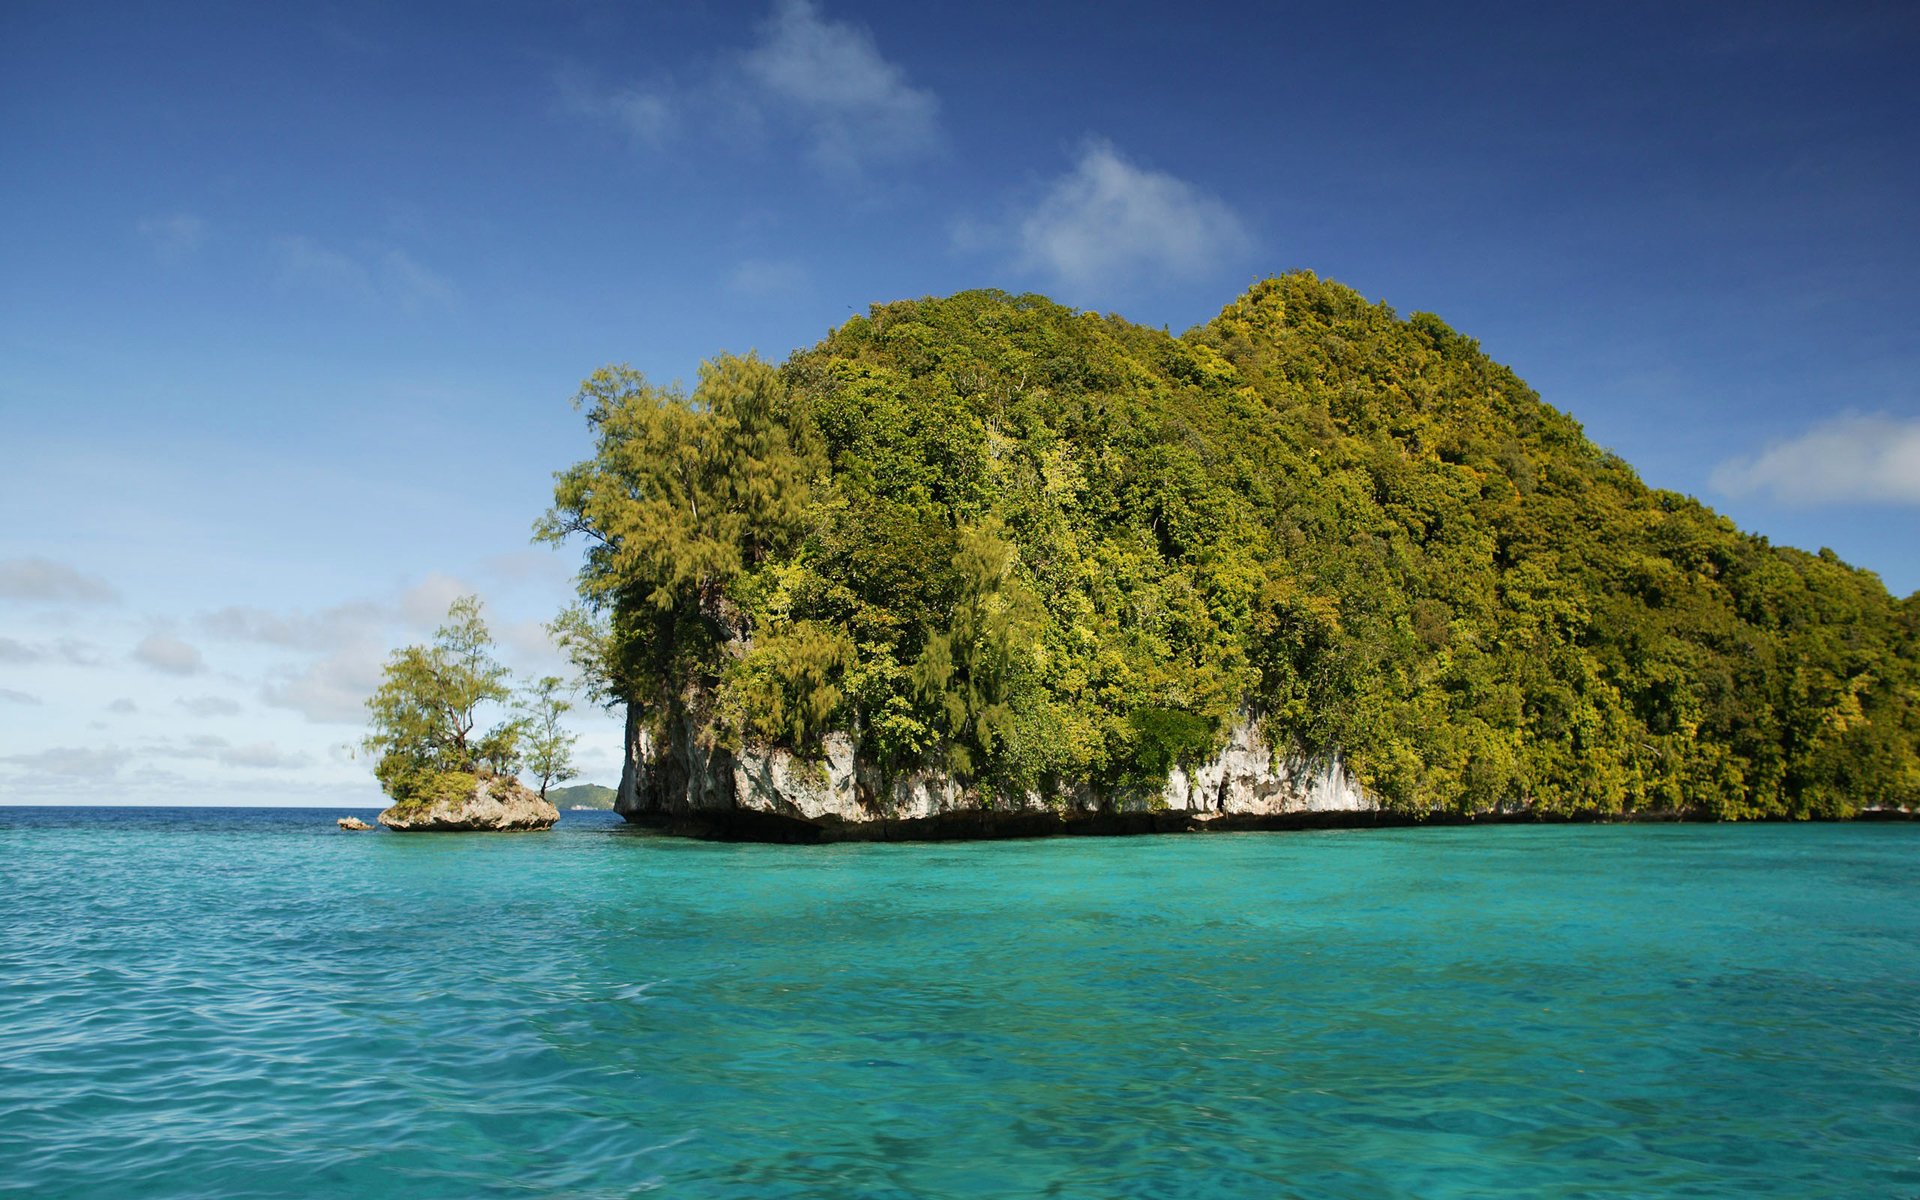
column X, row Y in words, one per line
column 352, row 823
column 494, row 804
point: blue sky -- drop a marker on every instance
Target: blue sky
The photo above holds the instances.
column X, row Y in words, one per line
column 292, row 299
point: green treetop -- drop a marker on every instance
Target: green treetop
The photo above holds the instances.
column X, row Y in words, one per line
column 549, row 745
column 424, row 716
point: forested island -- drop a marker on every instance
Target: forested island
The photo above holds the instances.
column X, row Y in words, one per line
column 988, row 564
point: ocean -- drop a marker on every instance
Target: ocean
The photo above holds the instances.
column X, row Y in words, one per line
column 251, row 1003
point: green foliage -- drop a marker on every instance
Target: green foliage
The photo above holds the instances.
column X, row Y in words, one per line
column 685, row 496
column 423, row 716
column 549, row 747
column 582, row 795
column 1036, row 546
column 418, row 789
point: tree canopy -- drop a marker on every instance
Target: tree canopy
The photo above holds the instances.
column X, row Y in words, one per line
column 423, row 719
column 1035, row 546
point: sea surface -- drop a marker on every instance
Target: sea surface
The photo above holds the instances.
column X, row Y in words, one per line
column 250, row 1003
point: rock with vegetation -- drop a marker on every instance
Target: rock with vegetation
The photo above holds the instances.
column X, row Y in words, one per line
column 462, row 801
column 582, row 795
column 988, row 557
column 441, row 771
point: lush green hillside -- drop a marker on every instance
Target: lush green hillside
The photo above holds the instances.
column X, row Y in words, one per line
column 581, row 795
column 1038, row 546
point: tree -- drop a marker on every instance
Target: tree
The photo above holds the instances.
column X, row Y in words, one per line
column 427, row 708
column 549, row 746
column 683, row 495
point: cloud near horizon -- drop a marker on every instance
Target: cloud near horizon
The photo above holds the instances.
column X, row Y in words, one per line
column 1851, row 459
column 210, row 748
column 1108, row 222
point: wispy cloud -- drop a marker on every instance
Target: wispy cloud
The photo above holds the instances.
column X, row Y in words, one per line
column 14, row 696
column 69, row 650
column 823, row 81
column 174, row 237
column 169, row 655
column 763, row 277
column 45, row 581
column 649, row 115
column 351, row 642
column 425, row 604
column 854, row 105
column 323, row 630
column 332, row 689
column 92, row 763
column 261, row 755
column 1851, row 459
column 1109, row 222
column 208, row 706
column 381, row 275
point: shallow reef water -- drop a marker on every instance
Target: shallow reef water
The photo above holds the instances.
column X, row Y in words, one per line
column 252, row 1003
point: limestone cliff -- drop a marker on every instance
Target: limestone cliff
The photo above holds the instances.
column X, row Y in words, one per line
column 682, row 784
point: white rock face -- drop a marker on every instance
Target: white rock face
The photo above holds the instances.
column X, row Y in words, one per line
column 495, row 804
column 1246, row 779
column 777, row 782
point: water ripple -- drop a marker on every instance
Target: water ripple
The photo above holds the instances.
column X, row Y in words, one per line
column 251, row 1004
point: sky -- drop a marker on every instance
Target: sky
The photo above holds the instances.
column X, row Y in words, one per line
column 294, row 298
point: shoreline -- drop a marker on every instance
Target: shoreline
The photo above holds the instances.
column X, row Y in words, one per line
column 745, row 825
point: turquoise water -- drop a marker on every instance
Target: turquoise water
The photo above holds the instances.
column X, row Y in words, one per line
column 249, row 1003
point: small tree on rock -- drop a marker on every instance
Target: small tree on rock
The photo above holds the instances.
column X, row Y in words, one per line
column 549, row 746
column 425, row 714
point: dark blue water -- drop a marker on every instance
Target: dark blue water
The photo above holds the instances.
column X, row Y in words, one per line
column 226, row 1003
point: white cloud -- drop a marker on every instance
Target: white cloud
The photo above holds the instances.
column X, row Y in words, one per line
column 12, row 696
column 379, row 275
column 206, row 747
column 69, row 650
column 73, row 762
column 44, row 581
column 324, row 630
column 331, row 690
column 208, row 706
column 853, row 104
column 425, row 603
column 520, row 566
column 77, row 652
column 1851, row 459
column 174, row 236
column 262, row 755
column 1108, row 222
column 344, row 647
column 166, row 653
column 123, row 706
column 822, row 80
